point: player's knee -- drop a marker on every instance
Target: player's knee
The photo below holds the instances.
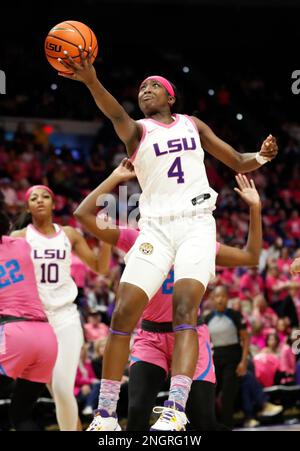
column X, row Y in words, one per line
column 123, row 318
column 184, row 313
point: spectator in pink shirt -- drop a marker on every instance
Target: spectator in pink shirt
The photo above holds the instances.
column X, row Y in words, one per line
column 262, row 312
column 267, row 362
column 287, row 361
column 293, row 225
column 275, row 364
column 227, row 277
column 258, row 338
column 251, row 284
column 94, row 329
column 10, row 195
column 284, row 261
column 277, row 286
column 283, row 330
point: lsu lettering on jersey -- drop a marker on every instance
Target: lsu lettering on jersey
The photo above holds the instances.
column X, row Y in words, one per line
column 51, row 257
column 169, row 164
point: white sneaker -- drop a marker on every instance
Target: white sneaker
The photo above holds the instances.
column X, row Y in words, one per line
column 88, row 410
column 172, row 418
column 270, row 410
column 104, row 422
column 251, row 423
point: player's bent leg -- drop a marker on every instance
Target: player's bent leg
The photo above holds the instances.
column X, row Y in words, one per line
column 186, row 299
column 131, row 301
column 140, row 281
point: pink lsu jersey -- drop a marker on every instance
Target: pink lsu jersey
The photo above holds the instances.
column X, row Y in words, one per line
column 18, row 289
column 159, row 308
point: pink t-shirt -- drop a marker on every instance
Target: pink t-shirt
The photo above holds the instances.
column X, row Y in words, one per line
column 284, row 265
column 85, row 376
column 18, row 289
column 287, row 360
column 266, row 365
column 228, row 278
column 271, row 283
column 293, row 226
column 258, row 340
column 97, row 332
column 250, row 286
column 267, row 316
column 159, row 308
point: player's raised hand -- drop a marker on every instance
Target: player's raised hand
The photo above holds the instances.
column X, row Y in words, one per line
column 125, row 170
column 269, row 148
column 247, row 190
column 84, row 72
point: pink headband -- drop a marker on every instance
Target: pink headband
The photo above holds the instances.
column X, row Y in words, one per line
column 32, row 188
column 163, row 81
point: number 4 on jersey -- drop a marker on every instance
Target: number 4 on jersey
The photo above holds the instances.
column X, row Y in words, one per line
column 176, row 170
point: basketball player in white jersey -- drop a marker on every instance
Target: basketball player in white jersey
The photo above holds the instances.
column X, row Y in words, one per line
column 177, row 228
column 52, row 246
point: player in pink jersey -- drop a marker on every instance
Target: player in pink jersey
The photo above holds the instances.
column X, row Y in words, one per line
column 177, row 226
column 52, row 246
column 152, row 351
column 28, row 346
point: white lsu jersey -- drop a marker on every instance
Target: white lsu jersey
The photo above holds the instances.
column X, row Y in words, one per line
column 51, row 257
column 169, row 164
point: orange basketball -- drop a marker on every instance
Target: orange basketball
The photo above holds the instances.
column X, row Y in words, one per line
column 68, row 36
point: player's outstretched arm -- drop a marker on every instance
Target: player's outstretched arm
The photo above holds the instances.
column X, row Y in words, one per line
column 128, row 130
column 239, row 162
column 85, row 212
column 231, row 256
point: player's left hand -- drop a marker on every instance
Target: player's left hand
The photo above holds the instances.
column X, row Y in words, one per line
column 269, row 148
column 247, row 190
column 125, row 170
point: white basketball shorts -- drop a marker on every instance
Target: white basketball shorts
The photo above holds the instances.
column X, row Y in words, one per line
column 187, row 243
